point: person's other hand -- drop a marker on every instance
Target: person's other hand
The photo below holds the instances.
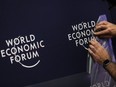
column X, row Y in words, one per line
column 98, row 53
column 105, row 29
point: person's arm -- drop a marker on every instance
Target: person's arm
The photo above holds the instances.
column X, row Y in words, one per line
column 100, row 55
column 111, row 68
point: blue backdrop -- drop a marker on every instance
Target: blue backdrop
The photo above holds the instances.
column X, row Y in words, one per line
column 48, row 22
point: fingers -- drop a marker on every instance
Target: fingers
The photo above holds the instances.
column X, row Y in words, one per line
column 92, row 48
column 100, row 28
column 103, row 32
column 94, row 43
column 92, row 54
column 105, row 36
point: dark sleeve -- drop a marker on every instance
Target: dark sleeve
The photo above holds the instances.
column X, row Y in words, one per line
column 114, row 45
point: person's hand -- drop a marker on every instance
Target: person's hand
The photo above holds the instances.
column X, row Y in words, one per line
column 98, row 53
column 105, row 29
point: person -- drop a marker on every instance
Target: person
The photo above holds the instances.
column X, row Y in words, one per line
column 99, row 54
